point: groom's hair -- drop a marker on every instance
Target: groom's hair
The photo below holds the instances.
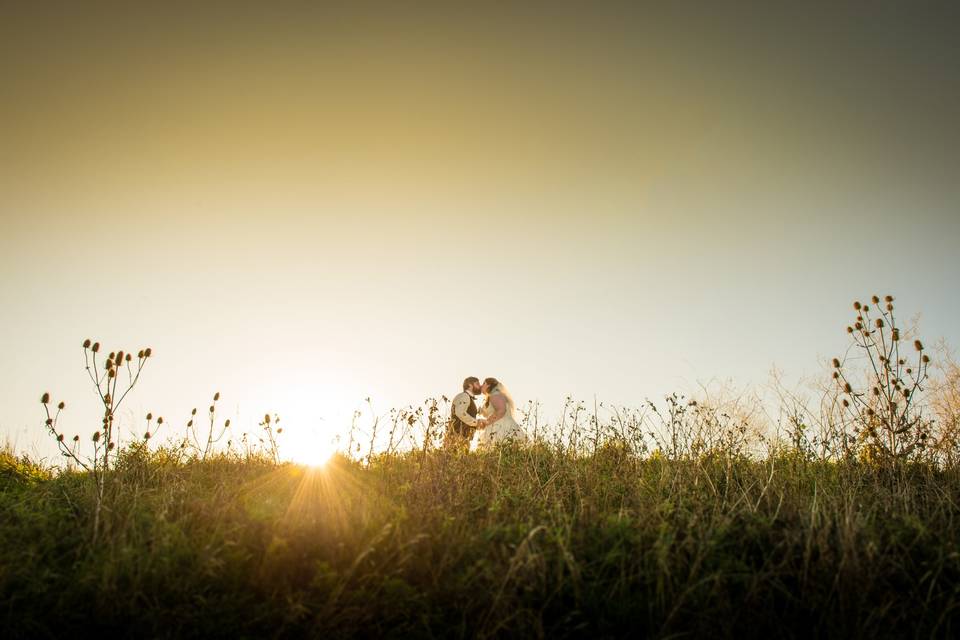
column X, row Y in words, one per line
column 468, row 382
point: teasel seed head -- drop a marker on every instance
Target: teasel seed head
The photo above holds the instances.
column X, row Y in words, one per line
column 86, row 343
column 45, row 398
column 149, row 417
column 266, row 418
column 876, row 391
column 836, row 363
column 110, row 446
column 909, row 371
column 849, row 329
column 194, row 412
column 112, row 373
column 146, row 436
column 858, row 326
column 76, row 438
column 189, row 423
column 857, row 305
column 836, row 375
column 128, row 358
column 96, row 436
column 879, row 323
column 96, row 347
column 120, row 355
column 888, row 298
column 876, row 300
column 62, row 405
column 846, row 402
column 147, row 352
column 212, row 408
column 111, row 356
column 227, row 423
column 889, row 307
column 49, row 422
column 279, row 430
column 895, row 334
column 847, row 388
column 906, row 393
column 869, row 411
column 159, row 421
column 918, row 345
column 216, row 396
column 925, row 359
column 107, row 398
column 140, row 354
column 59, row 437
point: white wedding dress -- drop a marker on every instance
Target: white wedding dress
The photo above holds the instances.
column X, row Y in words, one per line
column 503, row 430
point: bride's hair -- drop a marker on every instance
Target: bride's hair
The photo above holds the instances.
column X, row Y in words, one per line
column 492, row 383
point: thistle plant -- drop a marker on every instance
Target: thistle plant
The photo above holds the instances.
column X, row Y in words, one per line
column 204, row 444
column 113, row 377
column 880, row 404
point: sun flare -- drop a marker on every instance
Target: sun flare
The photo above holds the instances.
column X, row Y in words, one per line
column 310, row 450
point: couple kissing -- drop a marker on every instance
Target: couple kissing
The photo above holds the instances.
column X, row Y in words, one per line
column 496, row 422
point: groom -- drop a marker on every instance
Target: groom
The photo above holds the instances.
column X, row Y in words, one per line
column 463, row 416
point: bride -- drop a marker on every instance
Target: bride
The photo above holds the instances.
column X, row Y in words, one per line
column 498, row 415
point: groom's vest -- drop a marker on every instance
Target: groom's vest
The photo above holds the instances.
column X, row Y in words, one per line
column 457, row 425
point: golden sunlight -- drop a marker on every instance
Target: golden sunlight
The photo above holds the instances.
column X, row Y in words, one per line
column 307, row 446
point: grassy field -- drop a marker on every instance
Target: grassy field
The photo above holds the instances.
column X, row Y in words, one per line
column 512, row 542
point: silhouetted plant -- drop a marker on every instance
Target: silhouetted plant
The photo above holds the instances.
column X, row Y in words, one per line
column 106, row 378
column 880, row 402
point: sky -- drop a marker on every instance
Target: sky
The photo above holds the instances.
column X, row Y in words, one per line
column 301, row 205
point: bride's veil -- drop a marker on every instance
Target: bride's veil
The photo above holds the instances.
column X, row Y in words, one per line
column 506, row 394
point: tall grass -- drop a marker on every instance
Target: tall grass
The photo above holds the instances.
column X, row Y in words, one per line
column 511, row 542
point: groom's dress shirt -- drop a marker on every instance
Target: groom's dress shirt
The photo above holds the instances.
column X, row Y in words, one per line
column 461, row 402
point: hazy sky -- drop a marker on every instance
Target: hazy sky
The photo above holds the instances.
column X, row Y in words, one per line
column 301, row 206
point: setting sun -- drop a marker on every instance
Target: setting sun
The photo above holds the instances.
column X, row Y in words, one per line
column 308, row 446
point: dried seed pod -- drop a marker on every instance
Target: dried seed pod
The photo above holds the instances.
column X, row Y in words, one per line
column 925, row 359
column 147, row 352
column 216, row 396
column 146, row 436
column 888, row 298
column 847, row 388
column 96, row 347
column 110, row 446
column 876, row 300
column 149, row 417
column 62, row 405
column 76, row 438
column 159, row 420
column 96, row 436
column 856, row 305
column 59, row 437
column 45, row 398
column 918, row 345
column 836, row 363
column 227, row 423
column 879, row 323
column 86, row 343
